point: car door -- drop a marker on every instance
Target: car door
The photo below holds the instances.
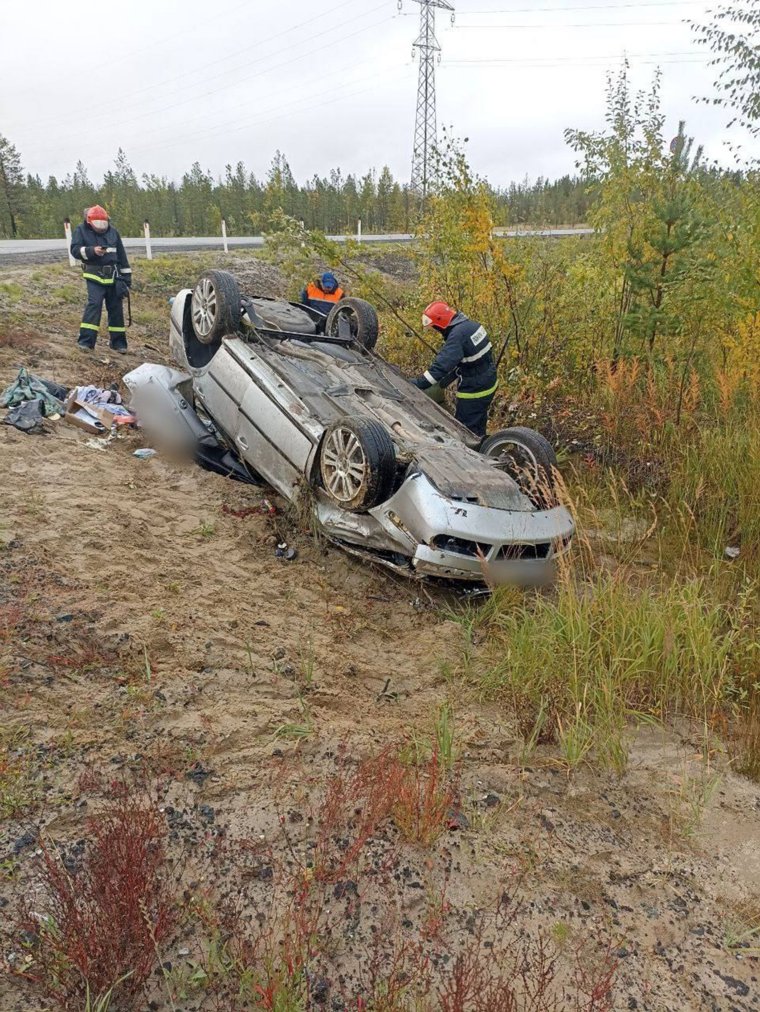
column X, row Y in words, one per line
column 267, row 433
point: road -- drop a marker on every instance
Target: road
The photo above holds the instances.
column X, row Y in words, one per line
column 51, row 250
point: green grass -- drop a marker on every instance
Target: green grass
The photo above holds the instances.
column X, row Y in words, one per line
column 11, row 291
column 715, row 488
column 578, row 666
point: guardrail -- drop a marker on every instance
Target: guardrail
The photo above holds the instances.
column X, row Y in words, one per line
column 146, row 244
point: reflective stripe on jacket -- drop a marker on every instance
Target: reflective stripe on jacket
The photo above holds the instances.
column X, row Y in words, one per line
column 313, row 296
column 100, row 269
column 466, row 354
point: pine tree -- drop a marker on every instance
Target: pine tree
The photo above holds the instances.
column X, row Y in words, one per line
column 11, row 188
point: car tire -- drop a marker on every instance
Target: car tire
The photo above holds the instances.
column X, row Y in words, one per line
column 527, row 457
column 357, row 463
column 362, row 318
column 215, row 306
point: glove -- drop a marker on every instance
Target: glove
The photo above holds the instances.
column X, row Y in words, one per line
column 122, row 288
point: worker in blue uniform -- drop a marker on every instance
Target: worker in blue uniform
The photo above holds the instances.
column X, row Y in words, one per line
column 467, row 357
column 105, row 268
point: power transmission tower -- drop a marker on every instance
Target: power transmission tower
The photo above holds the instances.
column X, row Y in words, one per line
column 425, row 126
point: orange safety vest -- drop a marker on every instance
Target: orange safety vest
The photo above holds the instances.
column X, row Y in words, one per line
column 315, row 292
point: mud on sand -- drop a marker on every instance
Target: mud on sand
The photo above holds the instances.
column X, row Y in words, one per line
column 150, row 635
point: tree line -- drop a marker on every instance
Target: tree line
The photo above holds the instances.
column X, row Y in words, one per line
column 31, row 208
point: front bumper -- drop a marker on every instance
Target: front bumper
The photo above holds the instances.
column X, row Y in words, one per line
column 438, row 537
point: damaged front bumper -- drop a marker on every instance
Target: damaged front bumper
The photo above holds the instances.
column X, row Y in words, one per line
column 425, row 533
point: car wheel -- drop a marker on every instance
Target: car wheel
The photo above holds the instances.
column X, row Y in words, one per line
column 215, row 306
column 361, row 318
column 527, row 457
column 357, row 463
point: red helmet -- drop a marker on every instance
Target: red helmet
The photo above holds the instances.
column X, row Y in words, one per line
column 438, row 314
column 99, row 215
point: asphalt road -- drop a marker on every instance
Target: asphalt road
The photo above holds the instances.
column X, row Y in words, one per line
column 20, row 251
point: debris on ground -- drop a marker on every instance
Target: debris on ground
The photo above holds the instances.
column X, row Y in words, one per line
column 27, row 387
column 144, row 453
column 284, row 551
column 732, row 552
column 27, row 417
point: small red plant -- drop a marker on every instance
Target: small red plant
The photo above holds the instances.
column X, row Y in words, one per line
column 424, row 800
column 102, row 916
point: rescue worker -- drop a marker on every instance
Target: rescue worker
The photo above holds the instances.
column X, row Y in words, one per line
column 106, row 270
column 466, row 356
column 322, row 293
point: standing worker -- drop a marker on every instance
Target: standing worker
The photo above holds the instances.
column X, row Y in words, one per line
column 322, row 293
column 466, row 355
column 106, row 270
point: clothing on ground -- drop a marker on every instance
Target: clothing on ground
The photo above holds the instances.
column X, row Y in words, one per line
column 27, row 387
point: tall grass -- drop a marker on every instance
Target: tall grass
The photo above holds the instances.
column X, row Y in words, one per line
column 577, row 666
column 716, row 475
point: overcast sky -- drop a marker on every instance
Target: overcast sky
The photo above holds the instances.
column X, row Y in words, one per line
column 174, row 81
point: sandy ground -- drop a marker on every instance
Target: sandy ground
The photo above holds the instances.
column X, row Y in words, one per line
column 147, row 631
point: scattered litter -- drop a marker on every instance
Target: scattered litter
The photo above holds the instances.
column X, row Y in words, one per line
column 96, row 444
column 27, row 387
column 731, row 552
column 27, row 417
column 282, row 551
column 64, row 618
column 198, row 773
column 457, row 820
column 241, row 514
column 384, row 693
column 267, row 508
column 90, row 417
column 144, row 453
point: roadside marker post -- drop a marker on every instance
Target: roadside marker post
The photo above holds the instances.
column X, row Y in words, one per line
column 359, row 230
column 148, row 247
column 67, row 233
column 224, row 235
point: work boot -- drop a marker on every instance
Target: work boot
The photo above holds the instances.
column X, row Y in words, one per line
column 86, row 346
column 119, row 344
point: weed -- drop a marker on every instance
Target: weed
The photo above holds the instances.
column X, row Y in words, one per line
column 100, row 918
column 206, row 529
column 19, row 774
column 742, row 928
column 424, row 799
column 444, row 735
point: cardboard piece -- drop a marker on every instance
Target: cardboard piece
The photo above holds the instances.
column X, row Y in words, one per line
column 89, row 417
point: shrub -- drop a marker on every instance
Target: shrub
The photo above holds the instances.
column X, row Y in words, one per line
column 100, row 919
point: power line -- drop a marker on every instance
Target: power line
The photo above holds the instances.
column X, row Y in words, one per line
column 248, row 77
column 581, row 24
column 570, row 62
column 274, row 112
column 587, row 7
column 575, row 59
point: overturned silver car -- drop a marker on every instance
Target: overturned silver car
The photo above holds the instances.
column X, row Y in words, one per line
column 306, row 404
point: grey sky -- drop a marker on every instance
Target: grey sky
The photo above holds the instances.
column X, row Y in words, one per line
column 174, row 81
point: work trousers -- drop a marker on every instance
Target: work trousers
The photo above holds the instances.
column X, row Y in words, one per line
column 97, row 294
column 473, row 412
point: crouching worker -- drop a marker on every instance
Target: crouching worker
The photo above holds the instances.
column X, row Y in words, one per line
column 322, row 293
column 106, row 270
column 466, row 356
